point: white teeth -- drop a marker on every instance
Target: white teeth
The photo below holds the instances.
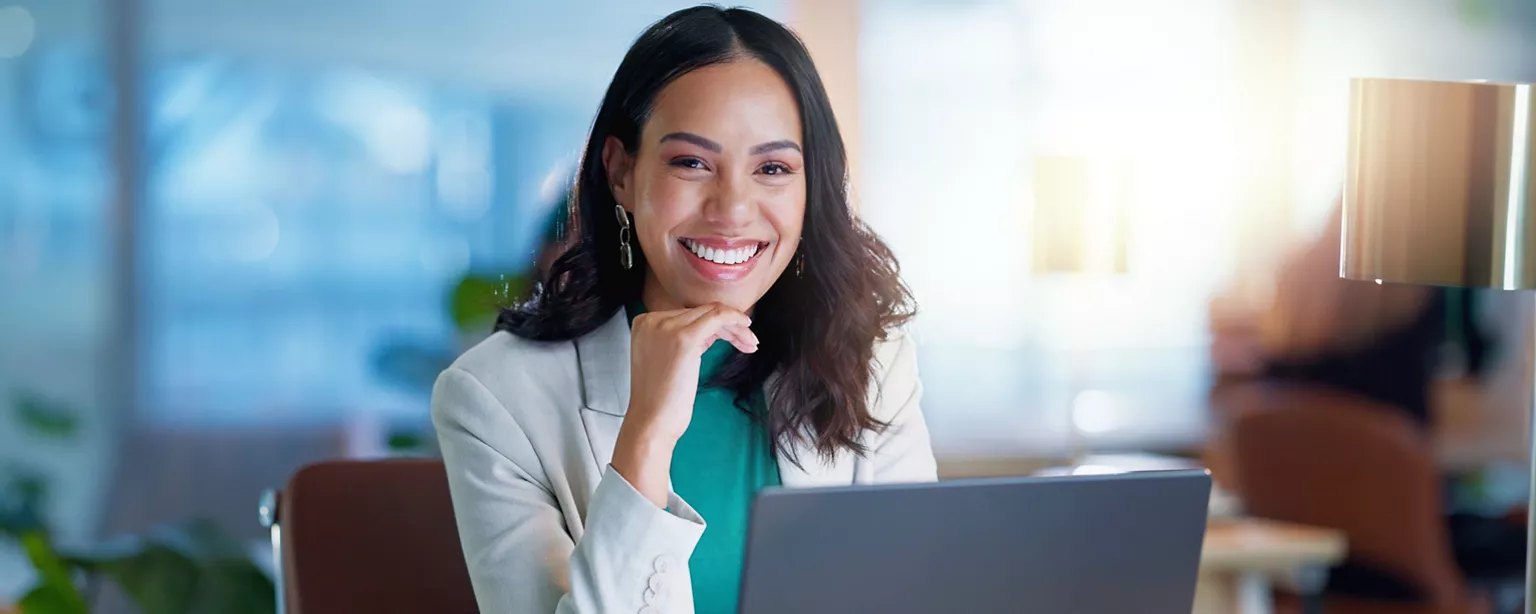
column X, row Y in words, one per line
column 721, row 256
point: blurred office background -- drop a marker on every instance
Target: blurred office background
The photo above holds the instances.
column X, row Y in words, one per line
column 236, row 237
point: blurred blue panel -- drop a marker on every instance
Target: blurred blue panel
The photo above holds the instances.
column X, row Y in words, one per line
column 55, row 282
column 302, row 220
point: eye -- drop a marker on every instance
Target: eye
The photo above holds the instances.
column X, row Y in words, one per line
column 775, row 168
column 689, row 163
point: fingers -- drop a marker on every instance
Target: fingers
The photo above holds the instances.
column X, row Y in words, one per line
column 724, row 323
column 672, row 319
column 701, row 326
column 742, row 338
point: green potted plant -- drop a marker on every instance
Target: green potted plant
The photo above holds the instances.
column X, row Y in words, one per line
column 189, row 568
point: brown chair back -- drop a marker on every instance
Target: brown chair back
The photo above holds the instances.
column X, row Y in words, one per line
column 371, row 536
column 1325, row 458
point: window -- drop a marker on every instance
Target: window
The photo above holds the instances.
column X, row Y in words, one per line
column 956, row 127
column 962, row 104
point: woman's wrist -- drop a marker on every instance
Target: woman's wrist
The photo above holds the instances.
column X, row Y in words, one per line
column 645, row 461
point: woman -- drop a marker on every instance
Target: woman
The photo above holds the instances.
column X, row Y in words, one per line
column 721, row 323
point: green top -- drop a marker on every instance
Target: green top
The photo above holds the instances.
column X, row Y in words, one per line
column 720, row 463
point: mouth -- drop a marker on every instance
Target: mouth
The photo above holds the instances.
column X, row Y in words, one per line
column 723, row 259
column 732, row 253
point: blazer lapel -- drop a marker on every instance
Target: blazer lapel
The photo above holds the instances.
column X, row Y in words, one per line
column 603, row 359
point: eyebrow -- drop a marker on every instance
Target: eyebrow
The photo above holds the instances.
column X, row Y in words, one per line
column 695, row 139
column 775, row 146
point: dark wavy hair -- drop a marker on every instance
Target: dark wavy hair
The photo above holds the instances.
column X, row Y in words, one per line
column 817, row 331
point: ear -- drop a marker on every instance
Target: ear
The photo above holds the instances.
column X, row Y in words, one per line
column 619, row 166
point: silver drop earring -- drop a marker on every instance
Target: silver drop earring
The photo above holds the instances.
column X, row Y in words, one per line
column 800, row 265
column 626, row 256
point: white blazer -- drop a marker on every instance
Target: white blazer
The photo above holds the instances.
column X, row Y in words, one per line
column 527, row 431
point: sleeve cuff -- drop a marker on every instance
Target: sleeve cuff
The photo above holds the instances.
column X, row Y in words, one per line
column 676, row 529
column 632, row 554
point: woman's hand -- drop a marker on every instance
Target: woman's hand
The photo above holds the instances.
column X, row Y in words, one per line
column 665, row 350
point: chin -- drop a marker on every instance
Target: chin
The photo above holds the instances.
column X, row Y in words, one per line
column 737, row 295
column 732, row 300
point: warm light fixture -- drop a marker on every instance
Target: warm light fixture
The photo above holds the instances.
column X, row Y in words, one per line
column 1081, row 218
column 1439, row 192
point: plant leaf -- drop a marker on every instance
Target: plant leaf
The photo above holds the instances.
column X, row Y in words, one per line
column 191, row 567
column 45, row 418
column 236, row 586
column 57, row 591
column 21, row 503
column 477, row 299
column 47, row 599
column 31, row 490
column 159, row 580
column 229, row 582
column 404, row 441
column 187, row 568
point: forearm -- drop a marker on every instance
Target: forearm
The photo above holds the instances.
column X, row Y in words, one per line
column 644, row 459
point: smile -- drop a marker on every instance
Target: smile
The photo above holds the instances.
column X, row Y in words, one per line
column 729, row 255
column 720, row 260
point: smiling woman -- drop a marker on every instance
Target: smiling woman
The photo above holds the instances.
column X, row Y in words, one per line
column 722, row 323
column 710, row 207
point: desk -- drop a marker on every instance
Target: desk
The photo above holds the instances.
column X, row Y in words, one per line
column 1242, row 557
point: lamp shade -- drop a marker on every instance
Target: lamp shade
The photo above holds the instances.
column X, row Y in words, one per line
column 1439, row 187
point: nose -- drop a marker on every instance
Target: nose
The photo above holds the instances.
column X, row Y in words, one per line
column 733, row 203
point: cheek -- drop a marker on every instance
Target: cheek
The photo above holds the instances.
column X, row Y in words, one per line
column 668, row 193
column 664, row 204
column 787, row 214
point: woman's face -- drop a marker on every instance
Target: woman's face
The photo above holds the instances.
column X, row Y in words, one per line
column 717, row 186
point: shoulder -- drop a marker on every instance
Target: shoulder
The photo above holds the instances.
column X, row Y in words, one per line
column 508, row 374
column 895, row 372
column 895, row 353
column 503, row 355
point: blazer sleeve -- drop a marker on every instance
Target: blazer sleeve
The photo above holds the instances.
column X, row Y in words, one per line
column 902, row 452
column 632, row 556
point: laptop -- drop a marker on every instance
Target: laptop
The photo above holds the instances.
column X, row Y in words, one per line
column 1092, row 544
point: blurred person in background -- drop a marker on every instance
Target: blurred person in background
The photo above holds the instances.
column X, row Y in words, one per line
column 1380, row 341
column 720, row 323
